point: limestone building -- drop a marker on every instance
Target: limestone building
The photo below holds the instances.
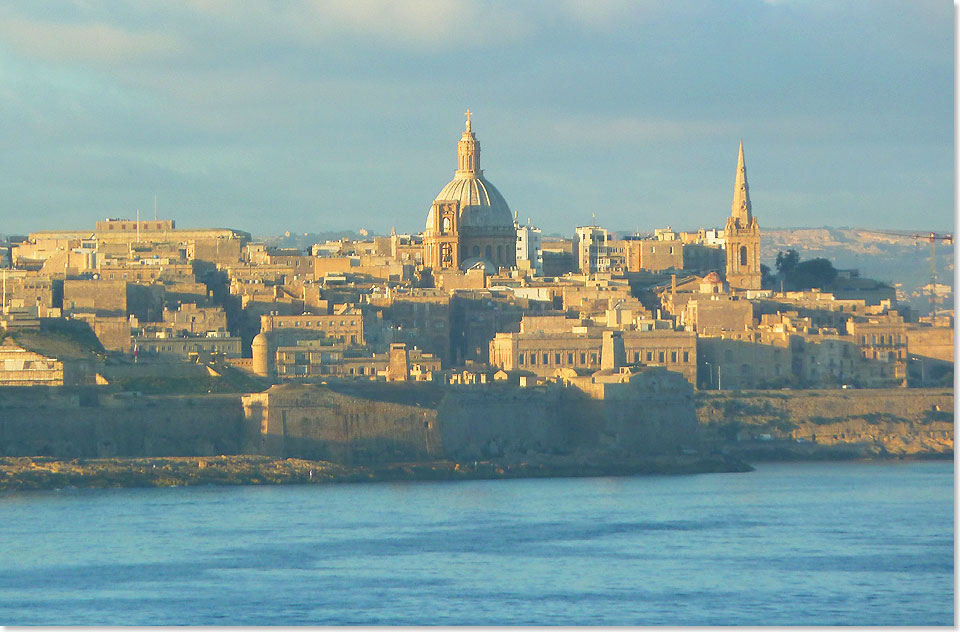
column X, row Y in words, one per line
column 742, row 235
column 469, row 222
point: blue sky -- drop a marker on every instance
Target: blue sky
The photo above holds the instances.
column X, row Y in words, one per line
column 307, row 115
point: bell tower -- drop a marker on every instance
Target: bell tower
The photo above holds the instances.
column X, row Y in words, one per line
column 742, row 235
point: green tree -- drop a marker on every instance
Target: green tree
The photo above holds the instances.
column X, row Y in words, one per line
column 813, row 273
column 787, row 261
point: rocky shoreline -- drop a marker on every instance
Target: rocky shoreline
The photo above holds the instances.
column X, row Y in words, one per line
column 45, row 473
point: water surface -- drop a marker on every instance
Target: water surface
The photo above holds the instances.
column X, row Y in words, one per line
column 810, row 543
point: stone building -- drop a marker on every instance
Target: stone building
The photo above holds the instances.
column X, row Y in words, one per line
column 344, row 325
column 544, row 352
column 469, row 221
column 654, row 255
column 319, row 359
column 187, row 347
column 742, row 235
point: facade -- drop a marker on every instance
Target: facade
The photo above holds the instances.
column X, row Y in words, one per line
column 544, row 352
column 184, row 348
column 591, row 248
column 529, row 249
column 318, row 359
column 346, row 325
column 654, row 255
column 742, row 235
column 469, row 221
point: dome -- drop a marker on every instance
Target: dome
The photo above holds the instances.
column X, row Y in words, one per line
column 481, row 205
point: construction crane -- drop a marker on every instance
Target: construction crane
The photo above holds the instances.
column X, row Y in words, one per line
column 933, row 238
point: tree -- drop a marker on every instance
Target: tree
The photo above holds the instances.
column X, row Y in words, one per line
column 787, row 261
column 818, row 273
column 767, row 280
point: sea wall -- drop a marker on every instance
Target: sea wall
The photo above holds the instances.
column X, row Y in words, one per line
column 372, row 422
column 87, row 423
column 318, row 423
column 897, row 421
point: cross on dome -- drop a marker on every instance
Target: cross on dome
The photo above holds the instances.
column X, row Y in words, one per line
column 468, row 113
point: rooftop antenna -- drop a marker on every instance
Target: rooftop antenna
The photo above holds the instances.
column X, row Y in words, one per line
column 138, row 226
column 155, row 217
column 594, row 214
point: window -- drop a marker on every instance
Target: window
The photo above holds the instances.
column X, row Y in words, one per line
column 673, row 356
column 533, row 359
column 569, row 358
column 557, row 360
column 546, row 358
column 743, row 255
column 520, row 358
column 636, row 356
column 583, row 358
column 649, row 356
column 661, row 357
column 686, row 356
column 593, row 358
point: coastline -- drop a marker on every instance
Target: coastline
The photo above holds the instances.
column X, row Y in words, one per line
column 48, row 473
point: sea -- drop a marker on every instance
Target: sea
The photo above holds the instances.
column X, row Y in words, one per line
column 852, row 543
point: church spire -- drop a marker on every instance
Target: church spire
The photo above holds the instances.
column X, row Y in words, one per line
column 741, row 209
column 468, row 151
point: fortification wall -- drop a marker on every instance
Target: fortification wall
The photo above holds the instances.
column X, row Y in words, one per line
column 317, row 423
column 896, row 421
column 82, row 423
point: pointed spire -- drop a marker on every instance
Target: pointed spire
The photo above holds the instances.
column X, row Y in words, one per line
column 741, row 208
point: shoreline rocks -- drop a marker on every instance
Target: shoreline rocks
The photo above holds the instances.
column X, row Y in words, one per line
column 46, row 473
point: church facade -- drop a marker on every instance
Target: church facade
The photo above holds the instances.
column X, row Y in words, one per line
column 469, row 223
column 742, row 235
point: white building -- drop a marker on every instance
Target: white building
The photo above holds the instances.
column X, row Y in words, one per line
column 529, row 248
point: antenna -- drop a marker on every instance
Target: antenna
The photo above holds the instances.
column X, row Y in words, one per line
column 155, row 217
column 138, row 226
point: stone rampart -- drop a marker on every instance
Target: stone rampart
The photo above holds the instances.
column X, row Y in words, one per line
column 87, row 423
column 896, row 421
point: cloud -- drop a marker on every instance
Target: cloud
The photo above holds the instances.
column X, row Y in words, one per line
column 92, row 41
column 413, row 24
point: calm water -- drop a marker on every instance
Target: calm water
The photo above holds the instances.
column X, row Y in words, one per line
column 852, row 543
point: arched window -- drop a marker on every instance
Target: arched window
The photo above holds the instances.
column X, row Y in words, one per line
column 743, row 255
column 476, row 251
column 446, row 224
column 488, row 253
column 499, row 254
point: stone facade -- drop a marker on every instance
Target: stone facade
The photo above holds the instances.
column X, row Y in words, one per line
column 544, row 353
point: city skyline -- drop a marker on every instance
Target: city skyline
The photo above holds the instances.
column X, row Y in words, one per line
column 314, row 117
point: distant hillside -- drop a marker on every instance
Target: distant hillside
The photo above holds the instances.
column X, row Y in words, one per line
column 903, row 262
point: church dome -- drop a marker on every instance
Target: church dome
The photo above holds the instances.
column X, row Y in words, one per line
column 481, row 205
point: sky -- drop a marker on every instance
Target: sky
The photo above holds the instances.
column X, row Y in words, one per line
column 310, row 115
